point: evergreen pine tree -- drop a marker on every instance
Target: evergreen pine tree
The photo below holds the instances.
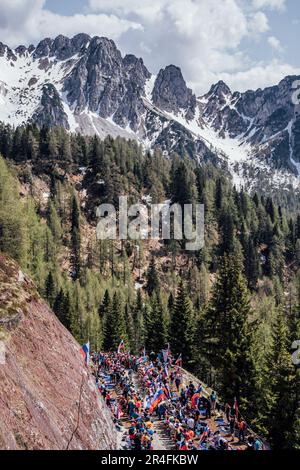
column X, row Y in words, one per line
column 227, row 337
column 152, row 278
column 75, row 238
column 181, row 326
column 156, row 325
column 279, row 380
column 114, row 325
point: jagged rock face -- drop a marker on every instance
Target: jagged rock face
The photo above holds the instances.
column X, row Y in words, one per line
column 266, row 111
column 43, row 49
column 135, row 70
column 107, row 84
column 85, row 85
column 5, row 50
column 296, row 136
column 44, row 376
column 171, row 94
column 61, row 47
column 50, row 112
column 223, row 118
column 260, row 118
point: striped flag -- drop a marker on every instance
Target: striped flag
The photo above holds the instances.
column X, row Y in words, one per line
column 85, row 351
column 121, row 346
column 158, row 397
column 167, row 391
column 147, row 402
column 148, row 370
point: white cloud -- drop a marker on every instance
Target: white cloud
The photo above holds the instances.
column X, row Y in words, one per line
column 272, row 4
column 25, row 21
column 275, row 43
column 258, row 23
column 206, row 38
column 148, row 10
column 259, row 76
column 203, row 37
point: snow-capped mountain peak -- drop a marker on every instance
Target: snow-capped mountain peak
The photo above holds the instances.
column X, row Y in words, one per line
column 85, row 85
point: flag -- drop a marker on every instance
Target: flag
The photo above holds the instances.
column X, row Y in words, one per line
column 235, row 406
column 121, row 346
column 159, row 395
column 195, row 400
column 167, row 391
column 150, row 367
column 179, row 360
column 140, row 360
column 203, row 436
column 148, row 370
column 165, row 354
column 85, row 350
column 143, row 358
column 147, row 402
column 120, row 413
column 166, row 370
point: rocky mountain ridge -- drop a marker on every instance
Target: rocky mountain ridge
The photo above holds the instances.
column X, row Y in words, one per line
column 84, row 84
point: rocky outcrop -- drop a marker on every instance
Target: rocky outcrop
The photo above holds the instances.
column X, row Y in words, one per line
column 108, row 85
column 258, row 118
column 6, row 51
column 51, row 113
column 171, row 94
column 61, row 47
column 48, row 397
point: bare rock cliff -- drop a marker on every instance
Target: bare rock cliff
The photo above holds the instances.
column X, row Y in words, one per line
column 48, row 398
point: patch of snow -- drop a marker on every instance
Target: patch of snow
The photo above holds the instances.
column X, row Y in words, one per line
column 71, row 118
column 234, row 149
column 149, row 85
column 296, row 164
column 126, row 129
column 22, row 84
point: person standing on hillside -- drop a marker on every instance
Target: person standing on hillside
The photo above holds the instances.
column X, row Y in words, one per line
column 207, row 406
column 257, row 444
column 213, row 401
column 227, row 412
column 232, row 425
column 177, row 382
column 242, row 428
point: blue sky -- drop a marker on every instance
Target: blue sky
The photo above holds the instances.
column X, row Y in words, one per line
column 66, row 7
column 247, row 43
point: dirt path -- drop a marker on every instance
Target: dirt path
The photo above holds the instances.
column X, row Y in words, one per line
column 160, row 440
